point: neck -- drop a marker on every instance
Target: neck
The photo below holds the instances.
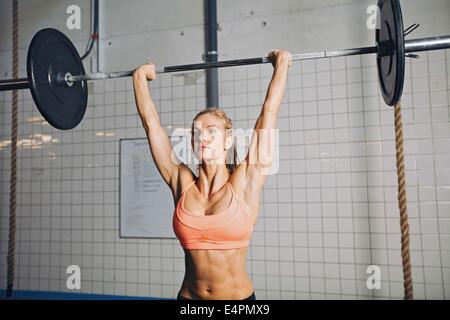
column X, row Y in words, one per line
column 211, row 178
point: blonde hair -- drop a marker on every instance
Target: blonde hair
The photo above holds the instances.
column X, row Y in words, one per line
column 219, row 113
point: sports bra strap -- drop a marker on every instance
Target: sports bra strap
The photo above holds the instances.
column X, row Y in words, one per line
column 188, row 187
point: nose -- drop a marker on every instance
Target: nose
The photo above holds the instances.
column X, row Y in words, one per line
column 204, row 136
column 201, row 139
column 203, row 143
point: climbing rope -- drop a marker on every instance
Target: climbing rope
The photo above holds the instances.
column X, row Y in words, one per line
column 404, row 226
column 12, row 193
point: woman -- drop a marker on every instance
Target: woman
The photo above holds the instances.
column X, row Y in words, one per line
column 216, row 211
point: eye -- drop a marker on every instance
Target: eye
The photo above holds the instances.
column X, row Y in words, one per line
column 213, row 131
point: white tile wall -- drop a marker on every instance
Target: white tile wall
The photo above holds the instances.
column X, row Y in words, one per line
column 330, row 211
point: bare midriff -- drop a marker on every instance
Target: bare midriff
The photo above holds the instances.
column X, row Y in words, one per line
column 216, row 274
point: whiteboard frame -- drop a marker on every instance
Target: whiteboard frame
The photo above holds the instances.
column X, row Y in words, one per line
column 121, row 235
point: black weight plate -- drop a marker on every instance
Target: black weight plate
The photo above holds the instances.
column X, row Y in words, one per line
column 51, row 54
column 390, row 60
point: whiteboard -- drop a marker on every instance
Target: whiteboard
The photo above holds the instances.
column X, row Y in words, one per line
column 146, row 201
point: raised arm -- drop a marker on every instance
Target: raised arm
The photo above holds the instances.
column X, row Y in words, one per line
column 260, row 154
column 166, row 161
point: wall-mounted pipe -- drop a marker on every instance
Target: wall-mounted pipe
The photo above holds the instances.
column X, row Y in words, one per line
column 211, row 53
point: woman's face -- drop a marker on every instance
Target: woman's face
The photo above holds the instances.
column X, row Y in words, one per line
column 210, row 141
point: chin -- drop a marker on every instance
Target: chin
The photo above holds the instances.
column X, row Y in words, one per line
column 206, row 160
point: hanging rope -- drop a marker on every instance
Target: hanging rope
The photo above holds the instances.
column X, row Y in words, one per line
column 404, row 227
column 12, row 194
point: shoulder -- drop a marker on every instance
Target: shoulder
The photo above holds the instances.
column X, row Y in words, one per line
column 247, row 184
column 185, row 178
column 247, row 176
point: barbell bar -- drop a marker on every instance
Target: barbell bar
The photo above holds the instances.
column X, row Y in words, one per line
column 414, row 45
column 58, row 83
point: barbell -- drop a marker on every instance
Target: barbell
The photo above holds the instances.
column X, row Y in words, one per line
column 58, row 82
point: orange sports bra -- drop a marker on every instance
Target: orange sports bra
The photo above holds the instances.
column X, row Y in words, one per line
column 228, row 229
